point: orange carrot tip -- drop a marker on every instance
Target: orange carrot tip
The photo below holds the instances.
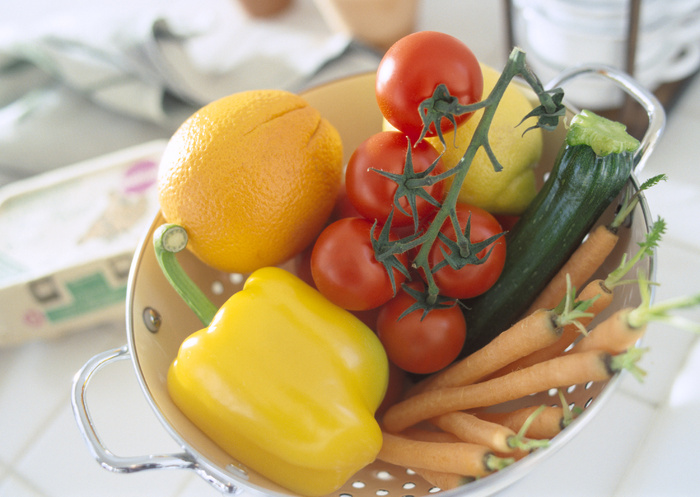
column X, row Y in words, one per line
column 442, row 480
column 646, row 249
column 631, row 201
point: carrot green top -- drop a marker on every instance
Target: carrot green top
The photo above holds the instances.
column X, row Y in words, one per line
column 602, row 135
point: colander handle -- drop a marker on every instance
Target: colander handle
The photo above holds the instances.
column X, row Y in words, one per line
column 107, row 459
column 655, row 111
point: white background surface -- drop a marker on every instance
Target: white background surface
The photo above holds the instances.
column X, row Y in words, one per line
column 643, row 443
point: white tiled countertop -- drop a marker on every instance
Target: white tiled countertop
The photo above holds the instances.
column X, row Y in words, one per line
column 642, row 443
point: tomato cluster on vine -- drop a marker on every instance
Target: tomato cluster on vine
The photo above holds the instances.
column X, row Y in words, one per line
column 395, row 185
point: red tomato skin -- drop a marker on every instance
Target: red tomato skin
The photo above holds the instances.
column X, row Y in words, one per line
column 343, row 207
column 507, row 221
column 413, row 67
column 372, row 194
column 302, row 266
column 345, row 270
column 420, row 346
column 473, row 279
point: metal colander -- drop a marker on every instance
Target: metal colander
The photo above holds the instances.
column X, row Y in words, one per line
column 158, row 321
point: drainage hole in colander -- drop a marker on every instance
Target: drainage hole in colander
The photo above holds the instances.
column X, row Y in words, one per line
column 358, row 484
column 383, row 475
column 382, row 492
column 217, row 288
column 236, row 278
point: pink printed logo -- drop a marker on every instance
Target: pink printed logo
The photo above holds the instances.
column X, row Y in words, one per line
column 140, row 177
column 34, row 318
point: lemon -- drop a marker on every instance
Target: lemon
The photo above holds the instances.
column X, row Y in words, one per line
column 510, row 190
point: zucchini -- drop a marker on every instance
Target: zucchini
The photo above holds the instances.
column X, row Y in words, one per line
column 593, row 164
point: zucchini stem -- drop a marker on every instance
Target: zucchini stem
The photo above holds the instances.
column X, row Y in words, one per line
column 604, row 136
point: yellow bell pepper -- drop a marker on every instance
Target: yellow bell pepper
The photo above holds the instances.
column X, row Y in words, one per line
column 285, row 382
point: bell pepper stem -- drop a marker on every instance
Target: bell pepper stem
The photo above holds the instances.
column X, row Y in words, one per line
column 168, row 240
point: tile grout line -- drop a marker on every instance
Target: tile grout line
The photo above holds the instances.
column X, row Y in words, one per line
column 49, row 420
column 640, row 444
column 28, row 483
column 658, row 406
column 4, row 471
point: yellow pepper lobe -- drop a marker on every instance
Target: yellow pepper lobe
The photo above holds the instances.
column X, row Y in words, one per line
column 285, row 382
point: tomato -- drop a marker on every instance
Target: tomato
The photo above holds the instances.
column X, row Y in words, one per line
column 343, row 206
column 372, row 194
column 345, row 269
column 413, row 67
column 472, row 279
column 507, row 221
column 302, row 266
column 420, row 345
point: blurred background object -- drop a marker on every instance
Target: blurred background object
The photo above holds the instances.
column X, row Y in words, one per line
column 378, row 23
column 265, row 8
column 48, row 123
column 130, row 73
column 656, row 41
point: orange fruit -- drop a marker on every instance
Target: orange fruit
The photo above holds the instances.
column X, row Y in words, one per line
column 252, row 178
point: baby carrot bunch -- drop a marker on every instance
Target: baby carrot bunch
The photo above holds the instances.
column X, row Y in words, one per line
column 465, row 406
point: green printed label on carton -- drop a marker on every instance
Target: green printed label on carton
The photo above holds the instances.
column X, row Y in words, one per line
column 89, row 293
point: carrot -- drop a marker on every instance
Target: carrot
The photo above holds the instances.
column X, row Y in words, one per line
column 535, row 331
column 550, row 421
column 580, row 266
column 613, row 335
column 600, row 293
column 458, row 458
column 627, row 325
column 558, row 372
column 442, row 480
column 600, row 297
column 472, row 429
column 425, row 435
column 590, row 255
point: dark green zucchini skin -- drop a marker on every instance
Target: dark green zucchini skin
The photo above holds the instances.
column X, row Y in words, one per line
column 577, row 192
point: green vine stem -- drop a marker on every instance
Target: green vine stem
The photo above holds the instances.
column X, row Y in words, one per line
column 548, row 114
column 168, row 240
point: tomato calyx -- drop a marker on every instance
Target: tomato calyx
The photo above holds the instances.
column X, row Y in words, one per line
column 424, row 302
column 463, row 251
column 385, row 251
column 410, row 184
column 443, row 105
column 549, row 112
